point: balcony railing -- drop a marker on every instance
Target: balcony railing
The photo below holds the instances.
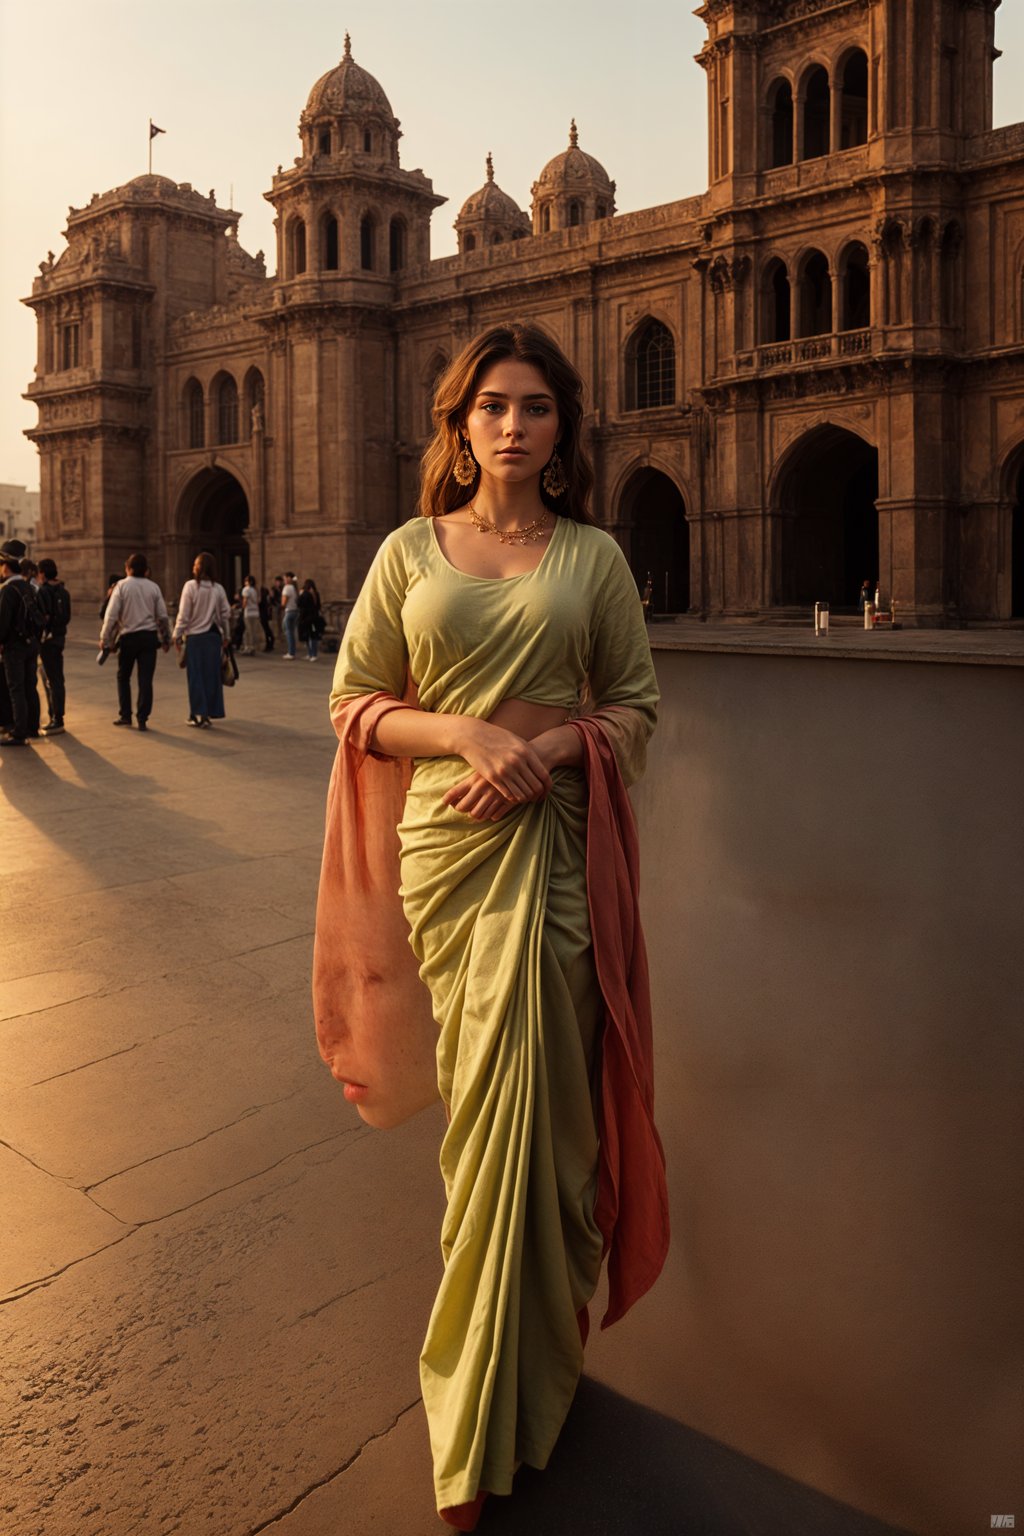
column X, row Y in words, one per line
column 813, row 349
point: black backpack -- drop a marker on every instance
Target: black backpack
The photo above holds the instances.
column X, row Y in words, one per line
column 29, row 616
column 57, row 604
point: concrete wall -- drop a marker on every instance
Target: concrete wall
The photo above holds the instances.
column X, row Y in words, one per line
column 832, row 886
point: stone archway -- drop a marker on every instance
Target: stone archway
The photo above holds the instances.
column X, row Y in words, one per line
column 653, row 510
column 213, row 514
column 825, row 521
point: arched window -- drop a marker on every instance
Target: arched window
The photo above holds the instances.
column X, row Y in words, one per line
column 856, row 289
column 367, row 141
column 469, row 242
column 497, row 238
column 817, row 107
column 296, row 248
column 650, row 367
column 227, row 410
column 255, row 398
column 396, row 244
column 777, row 325
column 575, row 215
column 195, row 423
column 780, row 105
column 815, row 296
column 601, row 211
column 368, row 243
column 325, row 141
column 329, row 243
column 854, row 124
column 545, row 220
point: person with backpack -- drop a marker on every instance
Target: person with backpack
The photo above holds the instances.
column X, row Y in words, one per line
column 22, row 623
column 56, row 605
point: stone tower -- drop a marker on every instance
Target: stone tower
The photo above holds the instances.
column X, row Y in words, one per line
column 137, row 258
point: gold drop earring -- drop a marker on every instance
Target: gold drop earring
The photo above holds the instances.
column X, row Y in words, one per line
column 466, row 466
column 553, row 479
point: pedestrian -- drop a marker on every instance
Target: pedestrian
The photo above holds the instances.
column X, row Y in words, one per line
column 268, row 633
column 251, row 616
column 277, row 607
column 112, row 582
column 311, row 623
column 21, row 626
column 56, row 604
column 499, row 810
column 236, row 621
column 135, row 619
column 290, row 614
column 202, row 627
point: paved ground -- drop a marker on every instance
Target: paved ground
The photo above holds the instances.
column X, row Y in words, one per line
column 215, row 1279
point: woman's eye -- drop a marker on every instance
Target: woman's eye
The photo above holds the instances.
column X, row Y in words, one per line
column 490, row 406
column 539, row 410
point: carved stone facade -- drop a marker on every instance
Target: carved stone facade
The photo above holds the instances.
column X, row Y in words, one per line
column 809, row 376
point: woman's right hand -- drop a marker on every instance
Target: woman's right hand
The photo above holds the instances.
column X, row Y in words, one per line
column 505, row 760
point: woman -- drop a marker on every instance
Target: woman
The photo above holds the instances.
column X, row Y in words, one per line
column 251, row 616
column 202, row 626
column 310, row 621
column 456, row 700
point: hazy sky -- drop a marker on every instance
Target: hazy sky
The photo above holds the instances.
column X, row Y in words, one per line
column 227, row 79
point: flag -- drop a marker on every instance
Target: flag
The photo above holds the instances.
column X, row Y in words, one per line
column 154, row 130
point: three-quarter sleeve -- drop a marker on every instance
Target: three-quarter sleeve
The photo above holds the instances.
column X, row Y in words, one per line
column 374, row 657
column 621, row 670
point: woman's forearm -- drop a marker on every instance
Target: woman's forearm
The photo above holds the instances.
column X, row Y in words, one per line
column 421, row 733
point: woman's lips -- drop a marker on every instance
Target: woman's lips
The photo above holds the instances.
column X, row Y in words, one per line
column 355, row 1093
column 511, row 453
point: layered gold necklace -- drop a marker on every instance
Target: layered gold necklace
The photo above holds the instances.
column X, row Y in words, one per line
column 526, row 535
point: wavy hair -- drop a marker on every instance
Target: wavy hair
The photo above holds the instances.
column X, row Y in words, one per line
column 455, row 391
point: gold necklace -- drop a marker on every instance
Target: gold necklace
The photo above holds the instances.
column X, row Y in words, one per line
column 528, row 535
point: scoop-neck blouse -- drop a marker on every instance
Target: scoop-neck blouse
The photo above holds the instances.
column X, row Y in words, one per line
column 471, row 641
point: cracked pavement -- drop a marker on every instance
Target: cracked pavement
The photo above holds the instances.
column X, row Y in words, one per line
column 214, row 1279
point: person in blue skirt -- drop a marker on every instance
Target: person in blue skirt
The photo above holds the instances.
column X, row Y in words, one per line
column 202, row 626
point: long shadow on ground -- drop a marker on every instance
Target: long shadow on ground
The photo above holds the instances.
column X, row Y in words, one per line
column 622, row 1470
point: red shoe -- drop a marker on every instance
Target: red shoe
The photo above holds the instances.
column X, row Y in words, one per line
column 464, row 1516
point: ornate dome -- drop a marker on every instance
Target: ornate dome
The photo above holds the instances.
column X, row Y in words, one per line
column 574, row 170
column 347, row 88
column 490, row 216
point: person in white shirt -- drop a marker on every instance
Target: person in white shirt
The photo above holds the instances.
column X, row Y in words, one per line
column 251, row 616
column 202, row 625
column 290, row 609
column 136, row 617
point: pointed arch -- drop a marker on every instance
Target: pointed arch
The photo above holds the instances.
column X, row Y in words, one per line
column 650, row 366
column 194, row 415
column 224, row 395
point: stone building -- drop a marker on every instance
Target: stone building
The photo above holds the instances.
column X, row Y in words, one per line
column 19, row 513
column 808, row 375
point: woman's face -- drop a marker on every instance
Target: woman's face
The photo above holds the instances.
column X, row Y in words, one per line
column 197, row 568
column 512, row 422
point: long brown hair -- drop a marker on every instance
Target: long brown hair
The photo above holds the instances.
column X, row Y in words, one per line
column 456, row 389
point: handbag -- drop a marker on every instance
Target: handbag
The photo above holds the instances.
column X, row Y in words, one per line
column 184, row 648
column 228, row 667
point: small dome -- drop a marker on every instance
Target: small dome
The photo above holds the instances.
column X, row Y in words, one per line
column 347, row 88
column 490, row 216
column 157, row 185
column 574, row 170
column 492, row 201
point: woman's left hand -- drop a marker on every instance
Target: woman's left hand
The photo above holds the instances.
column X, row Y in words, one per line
column 477, row 798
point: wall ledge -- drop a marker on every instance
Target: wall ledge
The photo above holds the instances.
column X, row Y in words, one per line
column 953, row 647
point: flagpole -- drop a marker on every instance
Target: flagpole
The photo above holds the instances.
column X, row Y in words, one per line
column 151, row 146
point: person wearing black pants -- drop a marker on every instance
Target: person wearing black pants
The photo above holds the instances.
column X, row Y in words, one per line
column 56, row 604
column 137, row 614
column 20, row 719
column 136, row 650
